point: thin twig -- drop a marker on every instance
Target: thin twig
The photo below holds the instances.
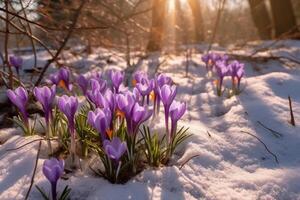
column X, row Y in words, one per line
column 291, row 112
column 159, row 64
column 268, row 150
column 34, row 170
column 275, row 133
column 27, row 144
column 30, row 31
column 190, row 158
column 14, row 78
column 208, row 133
column 6, row 63
column 28, row 34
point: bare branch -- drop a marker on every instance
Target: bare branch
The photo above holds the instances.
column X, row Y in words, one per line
column 268, row 150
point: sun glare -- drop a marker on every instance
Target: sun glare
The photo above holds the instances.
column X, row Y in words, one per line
column 171, row 6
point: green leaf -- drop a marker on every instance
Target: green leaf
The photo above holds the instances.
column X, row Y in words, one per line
column 42, row 193
column 65, row 194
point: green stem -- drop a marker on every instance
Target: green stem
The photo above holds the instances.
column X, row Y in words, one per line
column 48, row 135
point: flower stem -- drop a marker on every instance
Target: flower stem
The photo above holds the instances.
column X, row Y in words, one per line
column 73, row 153
column 53, row 189
column 48, row 135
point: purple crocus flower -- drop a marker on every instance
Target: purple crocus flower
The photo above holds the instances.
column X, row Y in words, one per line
column 209, row 60
column 125, row 103
column 139, row 114
column 16, row 62
column 139, row 76
column 53, row 169
column 64, row 75
column 83, row 83
column 103, row 100
column 110, row 99
column 54, row 79
column 167, row 94
column 134, row 113
column 19, row 97
column 68, row 105
column 222, row 70
column 100, row 119
column 163, row 79
column 98, row 84
column 62, row 78
column 206, row 58
column 160, row 80
column 177, row 110
column 117, row 78
column 136, row 94
column 239, row 74
column 115, row 148
column 45, row 96
column 233, row 67
column 145, row 87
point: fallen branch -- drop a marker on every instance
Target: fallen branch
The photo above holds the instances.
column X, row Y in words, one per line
column 275, row 157
column 275, row 133
column 291, row 112
column 194, row 156
column 34, row 170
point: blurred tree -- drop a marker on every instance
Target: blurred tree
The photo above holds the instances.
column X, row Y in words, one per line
column 261, row 18
column 156, row 32
column 198, row 20
column 283, row 17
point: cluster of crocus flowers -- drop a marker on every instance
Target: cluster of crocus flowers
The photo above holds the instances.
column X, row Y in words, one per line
column 112, row 106
column 223, row 67
column 115, row 112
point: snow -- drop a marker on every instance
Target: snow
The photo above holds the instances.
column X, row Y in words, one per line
column 230, row 164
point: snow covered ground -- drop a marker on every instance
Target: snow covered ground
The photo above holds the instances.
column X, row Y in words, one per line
column 230, row 163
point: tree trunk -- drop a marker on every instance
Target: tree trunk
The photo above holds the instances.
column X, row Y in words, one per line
column 156, row 33
column 178, row 25
column 261, row 18
column 283, row 17
column 198, row 20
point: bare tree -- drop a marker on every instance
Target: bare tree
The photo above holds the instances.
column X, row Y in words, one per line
column 261, row 18
column 283, row 17
column 156, row 33
column 198, row 20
